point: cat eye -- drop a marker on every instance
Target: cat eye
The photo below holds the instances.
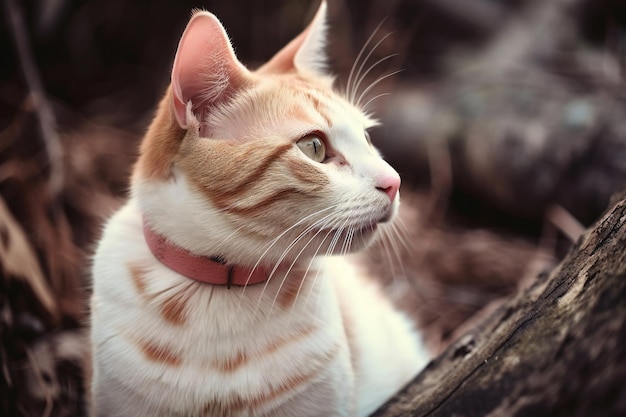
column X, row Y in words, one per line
column 313, row 147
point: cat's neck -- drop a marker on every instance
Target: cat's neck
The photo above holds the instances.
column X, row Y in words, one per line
column 295, row 290
column 209, row 270
column 199, row 227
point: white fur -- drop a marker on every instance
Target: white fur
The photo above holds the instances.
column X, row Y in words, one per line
column 222, row 321
column 310, row 56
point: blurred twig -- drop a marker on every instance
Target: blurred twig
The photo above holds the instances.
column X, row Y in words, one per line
column 45, row 116
column 32, row 360
column 19, row 260
column 565, row 222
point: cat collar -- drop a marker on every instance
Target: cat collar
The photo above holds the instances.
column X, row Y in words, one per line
column 210, row 270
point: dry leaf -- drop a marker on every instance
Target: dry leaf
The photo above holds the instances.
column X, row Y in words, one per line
column 18, row 260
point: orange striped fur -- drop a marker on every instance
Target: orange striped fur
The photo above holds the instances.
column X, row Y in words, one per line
column 155, row 353
column 266, row 169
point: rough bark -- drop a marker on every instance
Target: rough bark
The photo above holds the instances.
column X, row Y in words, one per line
column 557, row 349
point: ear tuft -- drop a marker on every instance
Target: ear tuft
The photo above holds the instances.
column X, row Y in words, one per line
column 306, row 52
column 205, row 68
column 311, row 55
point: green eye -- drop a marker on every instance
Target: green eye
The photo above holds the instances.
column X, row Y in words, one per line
column 313, row 147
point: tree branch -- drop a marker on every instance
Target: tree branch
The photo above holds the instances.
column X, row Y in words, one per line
column 556, row 349
column 45, row 116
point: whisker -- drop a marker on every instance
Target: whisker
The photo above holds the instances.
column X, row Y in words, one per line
column 284, row 254
column 292, row 265
column 385, row 244
column 344, row 244
column 309, row 268
column 330, row 250
column 381, row 60
column 393, row 239
column 364, row 108
column 350, row 239
column 275, row 240
column 374, row 84
column 396, row 251
column 403, row 236
column 349, row 90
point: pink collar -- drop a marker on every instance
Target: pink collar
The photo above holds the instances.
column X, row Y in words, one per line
column 210, row 270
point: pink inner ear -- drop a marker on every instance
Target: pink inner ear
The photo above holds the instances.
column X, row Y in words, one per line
column 283, row 61
column 205, row 67
column 305, row 52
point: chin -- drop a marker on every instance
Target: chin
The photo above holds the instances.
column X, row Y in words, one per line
column 359, row 240
column 319, row 243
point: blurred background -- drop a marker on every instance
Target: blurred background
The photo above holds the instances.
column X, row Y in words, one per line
column 506, row 120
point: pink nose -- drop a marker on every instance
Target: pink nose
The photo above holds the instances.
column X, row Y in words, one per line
column 389, row 184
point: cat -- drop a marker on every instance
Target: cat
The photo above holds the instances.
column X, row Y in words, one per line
column 221, row 287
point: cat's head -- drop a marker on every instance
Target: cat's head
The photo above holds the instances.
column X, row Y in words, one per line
column 259, row 165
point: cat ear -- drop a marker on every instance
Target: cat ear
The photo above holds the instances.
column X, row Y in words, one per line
column 306, row 52
column 205, row 69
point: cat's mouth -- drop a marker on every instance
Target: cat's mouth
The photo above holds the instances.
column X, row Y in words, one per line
column 387, row 216
column 353, row 230
column 359, row 230
column 364, row 230
column 348, row 238
column 370, row 228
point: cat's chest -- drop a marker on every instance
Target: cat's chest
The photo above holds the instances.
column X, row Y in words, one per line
column 200, row 340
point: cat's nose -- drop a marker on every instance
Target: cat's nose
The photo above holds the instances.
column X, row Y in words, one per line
column 389, row 184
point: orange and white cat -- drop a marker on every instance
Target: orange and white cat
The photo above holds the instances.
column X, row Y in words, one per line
column 220, row 288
